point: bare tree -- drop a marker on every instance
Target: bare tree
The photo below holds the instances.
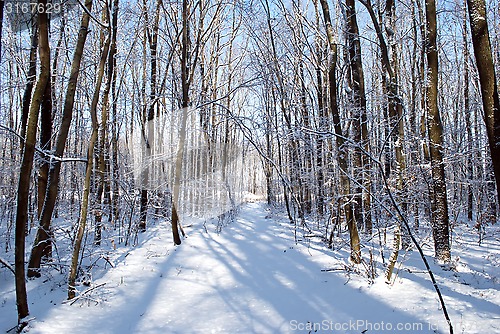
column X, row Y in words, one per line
column 489, row 87
column 395, row 113
column 439, row 201
column 27, row 165
column 185, row 83
column 322, row 121
column 283, row 103
column 359, row 126
column 341, row 144
column 90, row 164
column 468, row 122
column 45, row 145
column 149, row 108
column 42, row 239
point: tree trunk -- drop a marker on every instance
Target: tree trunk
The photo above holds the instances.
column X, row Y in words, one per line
column 342, row 157
column 394, row 106
column 30, row 80
column 2, row 5
column 83, row 215
column 489, row 88
column 423, row 51
column 468, row 123
column 285, row 110
column 45, row 144
column 149, row 139
column 182, row 130
column 359, row 127
column 439, row 202
column 102, row 196
column 88, row 172
column 26, row 168
column 55, row 167
column 322, row 124
column 268, row 169
column 114, row 131
column 396, row 125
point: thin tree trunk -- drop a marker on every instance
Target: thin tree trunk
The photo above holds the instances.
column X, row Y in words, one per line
column 114, row 132
column 55, row 167
column 285, row 110
column 395, row 107
column 439, row 202
column 88, row 172
column 396, row 113
column 322, row 126
column 423, row 51
column 182, row 131
column 31, row 76
column 226, row 140
column 342, row 157
column 83, row 214
column 2, row 4
column 152, row 37
column 468, row 123
column 102, row 196
column 306, row 154
column 45, row 144
column 359, row 127
column 489, row 87
column 26, row 168
column 268, row 170
column 396, row 127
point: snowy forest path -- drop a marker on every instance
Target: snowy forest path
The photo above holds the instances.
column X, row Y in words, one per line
column 250, row 278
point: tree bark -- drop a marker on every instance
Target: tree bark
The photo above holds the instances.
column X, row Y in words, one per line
column 468, row 123
column 45, row 144
column 395, row 105
column 55, row 167
column 2, row 5
column 489, row 87
column 26, row 168
column 114, row 131
column 182, row 130
column 322, row 123
column 103, row 197
column 361, row 162
column 30, row 80
column 342, row 157
column 88, row 172
column 439, row 202
column 395, row 112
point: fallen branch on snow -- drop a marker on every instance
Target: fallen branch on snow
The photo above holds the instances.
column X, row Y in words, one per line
column 82, row 295
column 7, row 265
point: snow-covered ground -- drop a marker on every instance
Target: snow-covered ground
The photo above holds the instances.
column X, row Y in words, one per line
column 254, row 278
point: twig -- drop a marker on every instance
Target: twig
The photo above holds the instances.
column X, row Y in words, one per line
column 7, row 265
column 333, row 269
column 45, row 154
column 87, row 11
column 82, row 295
column 19, row 327
column 107, row 260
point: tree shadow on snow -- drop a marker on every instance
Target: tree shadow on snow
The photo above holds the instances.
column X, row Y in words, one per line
column 249, row 279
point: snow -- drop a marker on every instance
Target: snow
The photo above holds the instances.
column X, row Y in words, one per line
column 254, row 278
column 6, row 263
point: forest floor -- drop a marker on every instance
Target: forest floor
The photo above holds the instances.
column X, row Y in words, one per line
column 253, row 277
